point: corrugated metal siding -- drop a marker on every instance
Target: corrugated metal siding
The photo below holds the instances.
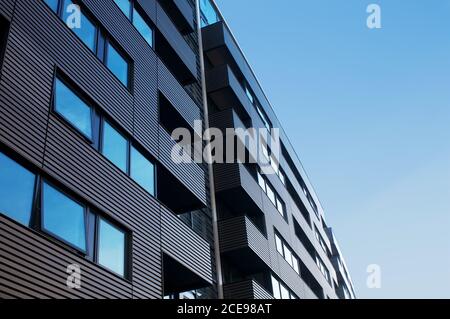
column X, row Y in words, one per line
column 33, row 267
column 176, row 237
column 245, row 290
column 7, row 7
column 38, row 42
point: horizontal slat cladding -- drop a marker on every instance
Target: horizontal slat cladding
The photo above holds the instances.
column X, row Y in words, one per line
column 176, row 40
column 181, row 243
column 189, row 174
column 57, row 43
column 226, row 176
column 245, row 290
column 7, row 7
column 71, row 160
column 257, row 242
column 177, row 96
column 33, row 267
column 233, row 234
column 24, row 104
column 260, row 292
column 239, row 290
column 145, row 73
column 250, row 185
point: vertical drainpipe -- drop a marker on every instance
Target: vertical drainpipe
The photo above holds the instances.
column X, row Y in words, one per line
column 209, row 155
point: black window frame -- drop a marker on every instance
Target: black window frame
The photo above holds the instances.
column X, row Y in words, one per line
column 42, row 216
column 113, row 125
column 91, row 216
column 102, row 38
column 58, row 75
column 127, row 273
column 134, row 5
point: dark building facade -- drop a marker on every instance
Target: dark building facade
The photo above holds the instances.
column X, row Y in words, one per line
column 92, row 203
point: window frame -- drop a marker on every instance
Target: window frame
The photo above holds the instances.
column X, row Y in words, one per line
column 63, row 79
column 42, row 216
column 126, row 246
column 109, row 42
column 134, row 5
column 102, row 141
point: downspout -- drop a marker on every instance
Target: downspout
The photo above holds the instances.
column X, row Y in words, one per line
column 209, row 155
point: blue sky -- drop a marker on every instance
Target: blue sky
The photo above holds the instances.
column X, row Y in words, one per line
column 368, row 112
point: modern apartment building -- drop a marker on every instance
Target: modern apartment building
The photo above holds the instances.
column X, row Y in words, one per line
column 92, row 203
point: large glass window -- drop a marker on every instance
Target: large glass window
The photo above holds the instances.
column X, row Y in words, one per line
column 288, row 255
column 261, row 182
column 125, row 6
column 279, row 244
column 72, row 108
column 284, row 292
column 111, row 247
column 16, row 190
column 271, row 194
column 53, row 4
column 83, row 28
column 280, row 207
column 143, row 28
column 142, row 171
column 115, row 147
column 276, row 288
column 117, row 64
column 63, row 217
column 295, row 264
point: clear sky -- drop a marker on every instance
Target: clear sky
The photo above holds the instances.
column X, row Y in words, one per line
column 368, row 112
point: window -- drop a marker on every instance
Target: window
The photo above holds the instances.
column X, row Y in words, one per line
column 285, row 294
column 129, row 8
column 142, row 171
column 280, row 207
column 276, row 288
column 72, row 108
column 295, row 264
column 284, row 250
column 111, row 247
column 125, row 6
column 53, row 4
column 16, row 190
column 271, row 194
column 279, row 244
column 115, row 147
column 143, row 28
column 117, row 64
column 249, row 94
column 282, row 177
column 288, row 255
column 261, row 182
column 323, row 268
column 85, row 30
column 63, row 217
column 95, row 37
column 57, row 215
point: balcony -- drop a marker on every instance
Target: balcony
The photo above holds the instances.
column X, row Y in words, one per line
column 236, row 187
column 184, row 180
column 226, row 92
column 243, row 245
column 182, row 14
column 187, row 256
column 174, row 50
column 245, row 290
